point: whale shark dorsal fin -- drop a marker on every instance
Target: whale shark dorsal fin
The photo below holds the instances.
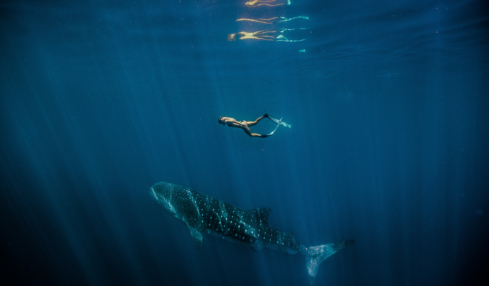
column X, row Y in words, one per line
column 289, row 235
column 264, row 214
column 197, row 237
column 260, row 214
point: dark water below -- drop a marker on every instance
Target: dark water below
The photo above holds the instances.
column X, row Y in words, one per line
column 388, row 146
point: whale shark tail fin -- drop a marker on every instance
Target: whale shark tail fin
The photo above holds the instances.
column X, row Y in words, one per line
column 315, row 255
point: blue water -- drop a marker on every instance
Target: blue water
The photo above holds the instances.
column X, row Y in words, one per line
column 388, row 146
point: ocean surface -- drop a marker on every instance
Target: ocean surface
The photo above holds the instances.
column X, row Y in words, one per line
column 388, row 102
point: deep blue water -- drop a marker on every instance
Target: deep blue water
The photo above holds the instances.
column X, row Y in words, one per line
column 388, row 145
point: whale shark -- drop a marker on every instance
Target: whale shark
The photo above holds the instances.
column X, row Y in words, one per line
column 206, row 215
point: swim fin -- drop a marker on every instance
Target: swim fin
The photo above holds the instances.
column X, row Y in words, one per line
column 279, row 121
column 276, row 127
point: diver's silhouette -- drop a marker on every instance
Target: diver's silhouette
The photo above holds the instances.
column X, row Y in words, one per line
column 231, row 122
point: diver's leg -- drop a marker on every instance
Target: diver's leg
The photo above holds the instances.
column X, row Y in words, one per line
column 264, row 35
column 253, row 123
column 248, row 131
column 269, row 35
column 253, row 134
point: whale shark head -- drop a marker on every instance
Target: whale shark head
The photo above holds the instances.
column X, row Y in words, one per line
column 164, row 193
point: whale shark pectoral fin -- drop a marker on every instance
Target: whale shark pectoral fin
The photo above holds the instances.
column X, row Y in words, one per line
column 197, row 237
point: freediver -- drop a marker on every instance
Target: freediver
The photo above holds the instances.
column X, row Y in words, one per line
column 243, row 124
